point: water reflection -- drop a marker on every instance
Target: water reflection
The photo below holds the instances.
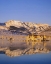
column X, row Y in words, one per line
column 13, row 48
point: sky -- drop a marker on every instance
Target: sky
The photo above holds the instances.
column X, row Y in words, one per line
column 37, row 11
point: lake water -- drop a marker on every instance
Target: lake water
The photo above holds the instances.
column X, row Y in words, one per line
column 39, row 58
column 44, row 58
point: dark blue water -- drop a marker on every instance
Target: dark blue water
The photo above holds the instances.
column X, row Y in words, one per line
column 40, row 58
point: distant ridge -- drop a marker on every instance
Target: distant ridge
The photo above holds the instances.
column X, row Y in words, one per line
column 1, row 24
column 24, row 27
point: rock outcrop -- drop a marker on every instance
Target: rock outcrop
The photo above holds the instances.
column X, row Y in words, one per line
column 19, row 27
column 3, row 27
column 31, row 27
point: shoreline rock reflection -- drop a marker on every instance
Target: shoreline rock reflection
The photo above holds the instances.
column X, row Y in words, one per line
column 38, row 48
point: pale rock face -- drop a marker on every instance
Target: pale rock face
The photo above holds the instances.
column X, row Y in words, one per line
column 3, row 27
column 28, row 25
column 13, row 23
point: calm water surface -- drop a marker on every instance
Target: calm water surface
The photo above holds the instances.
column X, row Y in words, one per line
column 39, row 58
column 26, row 59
